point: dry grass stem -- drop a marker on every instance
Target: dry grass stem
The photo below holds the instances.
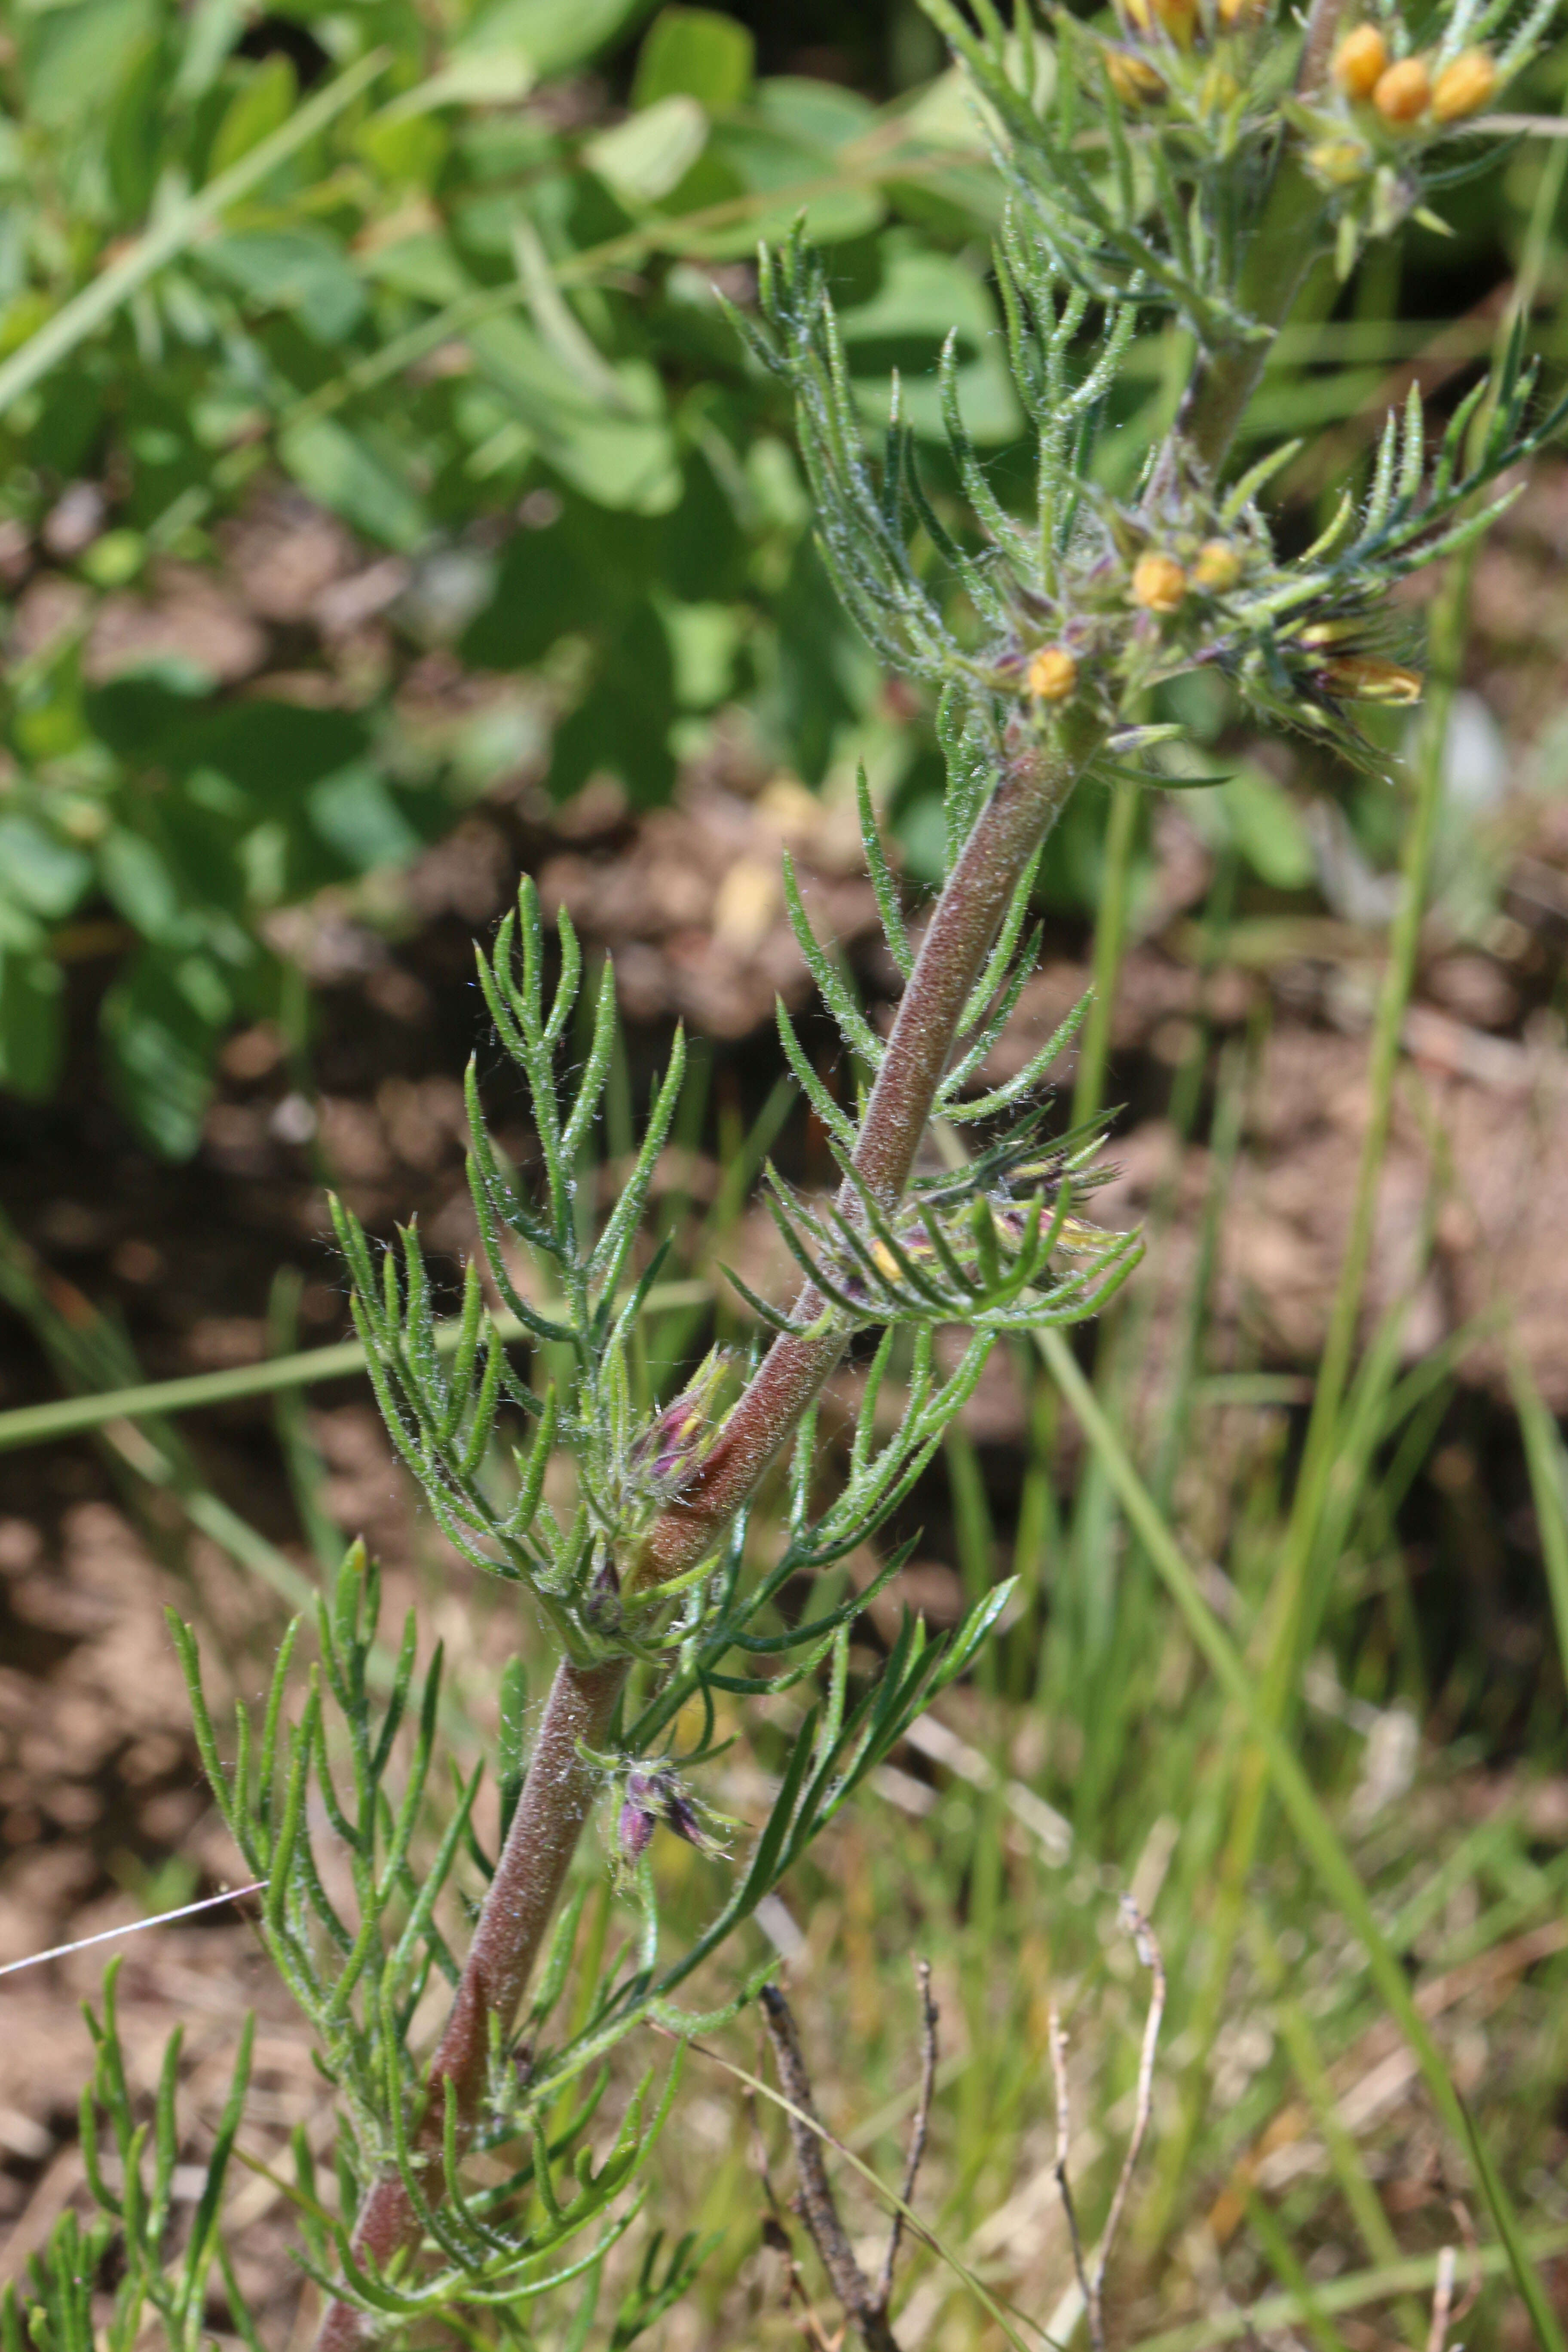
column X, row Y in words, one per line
column 1091, row 2275
column 865, row 2304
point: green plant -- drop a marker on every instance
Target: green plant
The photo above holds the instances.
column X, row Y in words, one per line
column 627, row 1522
column 401, row 291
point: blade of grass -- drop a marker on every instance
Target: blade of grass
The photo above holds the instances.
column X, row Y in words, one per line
column 1417, row 2272
column 1314, row 1832
column 1284, row 2263
column 36, row 1425
column 1306, row 1561
column 1548, row 1464
column 1344, row 2156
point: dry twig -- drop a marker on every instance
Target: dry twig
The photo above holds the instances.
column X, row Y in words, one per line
column 865, row 2304
column 1442, row 2302
column 1091, row 2275
column 918, row 2135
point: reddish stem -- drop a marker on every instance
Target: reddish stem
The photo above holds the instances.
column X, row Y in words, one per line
column 559, row 1792
column 556, row 1799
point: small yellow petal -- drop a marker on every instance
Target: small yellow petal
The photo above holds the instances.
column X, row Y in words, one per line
column 1402, row 94
column 1465, row 86
column 1361, row 61
column 1158, row 583
column 1218, row 567
column 1052, row 674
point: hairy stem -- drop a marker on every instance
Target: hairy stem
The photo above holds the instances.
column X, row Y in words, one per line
column 558, row 1793
column 1033, row 787
column 556, row 1799
column 1288, row 242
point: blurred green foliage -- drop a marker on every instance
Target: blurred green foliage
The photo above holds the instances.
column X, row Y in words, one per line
column 450, row 287
column 468, row 308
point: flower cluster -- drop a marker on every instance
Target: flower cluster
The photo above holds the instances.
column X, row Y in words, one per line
column 1180, row 582
column 1368, row 136
column 1199, row 59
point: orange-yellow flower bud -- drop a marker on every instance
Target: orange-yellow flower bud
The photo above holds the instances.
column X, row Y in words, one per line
column 1218, row 567
column 1465, row 86
column 1403, row 92
column 1052, row 674
column 1158, row 583
column 1177, row 17
column 1232, row 13
column 1362, row 677
column 1135, row 83
column 1361, row 61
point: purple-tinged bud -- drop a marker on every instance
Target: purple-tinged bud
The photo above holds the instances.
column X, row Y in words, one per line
column 635, row 1830
column 651, row 1797
column 678, row 1440
column 601, row 1606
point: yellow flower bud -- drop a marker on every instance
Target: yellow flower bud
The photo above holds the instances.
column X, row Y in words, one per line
column 1360, row 61
column 1158, row 583
column 1218, row 567
column 1234, row 13
column 1403, row 92
column 1052, row 674
column 1177, row 17
column 1465, row 86
column 1332, row 632
column 1340, row 163
column 1135, row 83
column 1362, row 677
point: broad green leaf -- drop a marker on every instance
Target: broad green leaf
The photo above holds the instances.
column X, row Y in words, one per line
column 340, row 469
column 212, row 27
column 139, row 883
column 704, row 640
column 696, row 52
column 32, row 1028
column 1266, row 826
column 72, row 56
column 257, row 110
column 818, row 113
column 749, row 157
column 408, row 147
column 622, row 727
column 618, row 459
column 556, row 36
column 132, row 145
column 422, row 264
column 47, row 874
column 646, row 156
column 356, row 815
column 478, row 72
column 295, row 269
column 162, row 1023
column 944, row 114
